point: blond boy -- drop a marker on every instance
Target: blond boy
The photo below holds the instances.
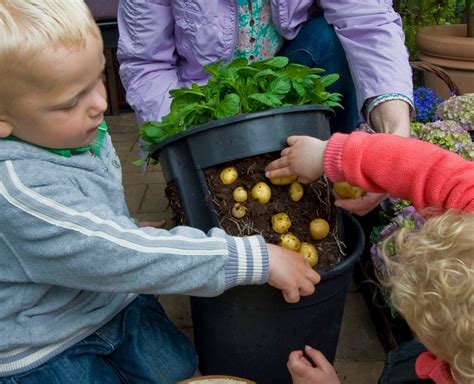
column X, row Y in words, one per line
column 72, row 260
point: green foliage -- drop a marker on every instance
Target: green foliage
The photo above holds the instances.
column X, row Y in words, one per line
column 421, row 13
column 241, row 87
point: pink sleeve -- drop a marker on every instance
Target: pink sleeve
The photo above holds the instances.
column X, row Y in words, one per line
column 423, row 173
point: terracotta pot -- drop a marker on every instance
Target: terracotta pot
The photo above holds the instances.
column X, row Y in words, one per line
column 448, row 47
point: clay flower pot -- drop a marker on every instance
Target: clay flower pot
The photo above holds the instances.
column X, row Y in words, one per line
column 448, row 47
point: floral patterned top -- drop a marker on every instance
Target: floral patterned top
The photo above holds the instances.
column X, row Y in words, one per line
column 257, row 38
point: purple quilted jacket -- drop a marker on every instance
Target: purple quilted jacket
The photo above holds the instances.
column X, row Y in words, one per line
column 164, row 44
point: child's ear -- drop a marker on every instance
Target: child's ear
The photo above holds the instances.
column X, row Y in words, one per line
column 5, row 128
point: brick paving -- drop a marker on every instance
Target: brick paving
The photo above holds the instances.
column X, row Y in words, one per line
column 360, row 356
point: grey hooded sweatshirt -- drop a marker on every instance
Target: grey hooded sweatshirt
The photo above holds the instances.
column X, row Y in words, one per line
column 71, row 257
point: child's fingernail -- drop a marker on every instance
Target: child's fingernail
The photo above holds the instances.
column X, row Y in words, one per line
column 308, row 347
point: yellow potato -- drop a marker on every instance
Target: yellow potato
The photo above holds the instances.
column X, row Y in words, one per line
column 261, row 192
column 296, row 191
column 283, row 180
column 344, row 190
column 319, row 229
column 240, row 194
column 289, row 241
column 310, row 253
column 238, row 211
column 281, row 222
column 228, row 175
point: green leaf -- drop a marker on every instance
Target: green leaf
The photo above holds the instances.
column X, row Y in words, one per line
column 238, row 63
column 276, row 62
column 280, row 86
column 247, row 71
column 265, row 72
column 267, row 99
column 327, row 80
column 299, row 88
column 229, row 106
column 213, row 69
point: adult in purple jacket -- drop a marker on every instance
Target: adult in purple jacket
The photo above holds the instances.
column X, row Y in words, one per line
column 164, row 44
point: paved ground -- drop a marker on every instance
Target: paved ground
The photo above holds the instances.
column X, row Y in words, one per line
column 359, row 358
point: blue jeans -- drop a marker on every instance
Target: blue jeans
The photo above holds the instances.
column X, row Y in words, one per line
column 317, row 45
column 139, row 345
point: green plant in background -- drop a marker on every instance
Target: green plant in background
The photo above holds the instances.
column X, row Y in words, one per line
column 421, row 13
column 240, row 87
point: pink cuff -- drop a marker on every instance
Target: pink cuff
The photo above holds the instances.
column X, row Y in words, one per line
column 333, row 157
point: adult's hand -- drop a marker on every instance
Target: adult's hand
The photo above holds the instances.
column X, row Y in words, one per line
column 362, row 205
column 391, row 117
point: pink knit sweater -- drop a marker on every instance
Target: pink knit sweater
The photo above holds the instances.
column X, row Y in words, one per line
column 423, row 173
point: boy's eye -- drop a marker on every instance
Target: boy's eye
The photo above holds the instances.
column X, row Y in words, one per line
column 69, row 107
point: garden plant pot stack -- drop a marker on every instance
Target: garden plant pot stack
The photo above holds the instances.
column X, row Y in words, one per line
column 448, row 47
column 249, row 331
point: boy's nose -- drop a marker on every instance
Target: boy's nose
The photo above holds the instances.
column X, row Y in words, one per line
column 99, row 103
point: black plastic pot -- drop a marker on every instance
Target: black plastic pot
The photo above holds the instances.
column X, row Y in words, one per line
column 249, row 331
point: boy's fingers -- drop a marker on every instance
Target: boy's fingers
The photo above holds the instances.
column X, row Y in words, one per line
column 291, row 295
column 318, row 358
column 306, row 288
column 315, row 278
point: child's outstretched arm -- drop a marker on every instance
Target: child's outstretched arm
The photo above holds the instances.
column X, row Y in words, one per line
column 303, row 372
column 411, row 169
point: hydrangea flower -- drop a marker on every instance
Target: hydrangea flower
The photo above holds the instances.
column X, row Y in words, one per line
column 448, row 134
column 459, row 109
column 426, row 102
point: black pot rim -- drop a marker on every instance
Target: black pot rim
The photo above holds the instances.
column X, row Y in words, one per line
column 350, row 260
column 242, row 117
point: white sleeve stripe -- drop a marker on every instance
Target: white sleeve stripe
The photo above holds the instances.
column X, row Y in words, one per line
column 90, row 216
column 257, row 260
column 119, row 241
column 242, row 261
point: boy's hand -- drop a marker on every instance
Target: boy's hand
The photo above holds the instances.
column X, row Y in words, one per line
column 303, row 157
column 302, row 372
column 290, row 272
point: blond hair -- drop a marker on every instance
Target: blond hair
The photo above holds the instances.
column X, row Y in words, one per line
column 432, row 286
column 29, row 27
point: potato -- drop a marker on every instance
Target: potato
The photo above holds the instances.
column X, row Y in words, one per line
column 289, row 241
column 238, row 211
column 319, row 229
column 310, row 253
column 344, row 190
column 281, row 222
column 283, row 180
column 261, row 192
column 228, row 175
column 296, row 191
column 240, row 194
